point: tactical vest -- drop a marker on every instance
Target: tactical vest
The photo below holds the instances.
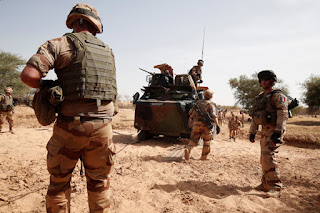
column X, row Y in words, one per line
column 92, row 73
column 7, row 103
column 265, row 112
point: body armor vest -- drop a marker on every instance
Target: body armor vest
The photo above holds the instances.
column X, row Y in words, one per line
column 92, row 73
column 265, row 112
column 7, row 103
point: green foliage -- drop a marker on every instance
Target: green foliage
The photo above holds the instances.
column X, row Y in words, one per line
column 247, row 88
column 10, row 65
column 311, row 87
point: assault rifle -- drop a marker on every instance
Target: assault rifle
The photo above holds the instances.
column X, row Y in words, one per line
column 206, row 118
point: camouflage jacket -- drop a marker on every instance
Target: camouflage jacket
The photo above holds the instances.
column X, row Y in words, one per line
column 274, row 112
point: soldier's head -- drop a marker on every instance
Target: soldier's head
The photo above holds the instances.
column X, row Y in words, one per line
column 267, row 75
column 8, row 90
column 85, row 15
column 208, row 94
column 200, row 62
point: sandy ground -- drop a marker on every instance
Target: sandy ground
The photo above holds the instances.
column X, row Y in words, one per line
column 150, row 177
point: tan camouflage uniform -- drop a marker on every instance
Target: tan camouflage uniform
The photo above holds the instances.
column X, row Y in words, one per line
column 91, row 139
column 196, row 73
column 200, row 129
column 5, row 101
column 271, row 173
column 234, row 125
column 220, row 118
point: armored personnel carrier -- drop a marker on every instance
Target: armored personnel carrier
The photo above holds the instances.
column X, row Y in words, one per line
column 163, row 108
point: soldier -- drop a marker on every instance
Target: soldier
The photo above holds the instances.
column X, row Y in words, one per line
column 196, row 72
column 7, row 108
column 234, row 125
column 225, row 114
column 85, row 67
column 200, row 128
column 271, row 111
column 220, row 117
column 242, row 117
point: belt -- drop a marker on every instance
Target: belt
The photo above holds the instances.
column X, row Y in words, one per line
column 82, row 118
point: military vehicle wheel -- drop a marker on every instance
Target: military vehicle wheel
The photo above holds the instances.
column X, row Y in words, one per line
column 144, row 135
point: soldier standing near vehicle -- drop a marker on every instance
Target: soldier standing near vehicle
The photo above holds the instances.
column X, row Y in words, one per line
column 6, row 107
column 85, row 67
column 271, row 111
column 196, row 72
column 200, row 128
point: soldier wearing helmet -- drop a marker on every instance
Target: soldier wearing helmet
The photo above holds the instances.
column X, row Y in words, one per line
column 85, row 67
column 271, row 112
column 200, row 128
column 6, row 108
column 196, row 72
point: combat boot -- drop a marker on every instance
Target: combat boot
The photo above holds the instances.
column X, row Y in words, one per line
column 11, row 131
column 203, row 157
column 273, row 193
column 261, row 188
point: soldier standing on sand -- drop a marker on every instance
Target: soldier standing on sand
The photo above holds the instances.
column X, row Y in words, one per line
column 6, row 107
column 220, row 117
column 234, row 125
column 271, row 111
column 85, row 67
column 242, row 117
column 196, row 72
column 199, row 128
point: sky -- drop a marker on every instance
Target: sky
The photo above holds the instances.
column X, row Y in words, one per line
column 240, row 37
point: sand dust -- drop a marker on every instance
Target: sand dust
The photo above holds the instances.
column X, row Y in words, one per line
column 150, row 177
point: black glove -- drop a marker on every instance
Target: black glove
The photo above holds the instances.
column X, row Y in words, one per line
column 200, row 81
column 276, row 137
column 218, row 129
column 252, row 136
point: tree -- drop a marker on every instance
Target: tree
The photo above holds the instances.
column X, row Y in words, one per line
column 10, row 65
column 246, row 89
column 311, row 93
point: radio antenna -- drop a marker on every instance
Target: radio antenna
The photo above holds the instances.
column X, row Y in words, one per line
column 204, row 34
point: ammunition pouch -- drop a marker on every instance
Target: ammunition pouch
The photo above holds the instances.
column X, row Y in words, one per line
column 5, row 107
column 263, row 117
column 45, row 104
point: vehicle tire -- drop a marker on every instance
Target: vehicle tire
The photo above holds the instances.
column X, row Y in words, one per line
column 144, row 135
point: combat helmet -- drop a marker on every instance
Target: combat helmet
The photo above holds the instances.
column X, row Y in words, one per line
column 86, row 12
column 8, row 90
column 208, row 94
column 267, row 75
column 200, row 62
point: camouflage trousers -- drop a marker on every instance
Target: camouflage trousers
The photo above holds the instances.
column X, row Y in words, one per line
column 233, row 132
column 220, row 121
column 9, row 116
column 271, row 172
column 93, row 141
column 199, row 130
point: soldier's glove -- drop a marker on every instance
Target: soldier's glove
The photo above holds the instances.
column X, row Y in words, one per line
column 218, row 129
column 276, row 137
column 251, row 138
column 200, row 81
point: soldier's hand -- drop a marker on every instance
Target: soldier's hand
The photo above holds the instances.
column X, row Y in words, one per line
column 251, row 138
column 276, row 137
column 218, row 129
column 200, row 81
